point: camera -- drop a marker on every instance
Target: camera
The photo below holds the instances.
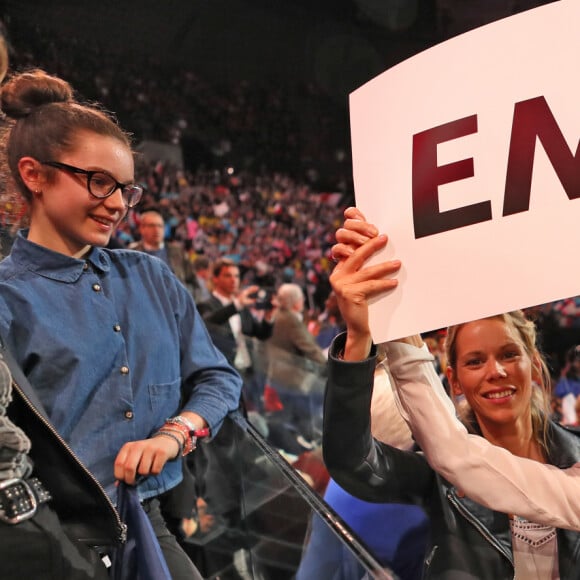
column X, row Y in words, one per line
column 263, row 298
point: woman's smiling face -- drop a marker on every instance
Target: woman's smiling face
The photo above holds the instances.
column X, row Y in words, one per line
column 494, row 372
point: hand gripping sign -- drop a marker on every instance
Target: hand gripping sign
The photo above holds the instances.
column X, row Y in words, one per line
column 468, row 156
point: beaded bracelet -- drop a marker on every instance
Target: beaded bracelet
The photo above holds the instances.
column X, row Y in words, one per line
column 188, row 440
column 183, row 434
column 174, row 437
column 179, row 420
column 190, row 434
column 181, row 429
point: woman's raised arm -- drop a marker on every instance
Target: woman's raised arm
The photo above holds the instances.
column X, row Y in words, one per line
column 354, row 283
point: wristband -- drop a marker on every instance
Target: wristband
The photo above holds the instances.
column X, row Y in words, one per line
column 178, row 428
column 195, row 435
column 187, row 429
column 174, row 437
column 179, row 420
column 181, row 432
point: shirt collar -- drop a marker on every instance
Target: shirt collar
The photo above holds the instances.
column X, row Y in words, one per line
column 225, row 301
column 55, row 265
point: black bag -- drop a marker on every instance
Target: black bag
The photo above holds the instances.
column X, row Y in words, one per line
column 39, row 548
column 33, row 541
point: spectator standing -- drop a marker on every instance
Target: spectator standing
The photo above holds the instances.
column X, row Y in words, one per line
column 152, row 242
column 230, row 323
column 30, row 532
column 291, row 336
column 330, row 322
column 92, row 309
column 228, row 315
column 295, row 371
column 396, row 534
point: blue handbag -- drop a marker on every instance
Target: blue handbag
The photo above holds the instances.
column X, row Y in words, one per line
column 140, row 557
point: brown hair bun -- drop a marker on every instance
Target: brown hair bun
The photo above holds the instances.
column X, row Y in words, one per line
column 25, row 92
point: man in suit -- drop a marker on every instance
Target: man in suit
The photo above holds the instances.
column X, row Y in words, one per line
column 296, row 370
column 152, row 232
column 229, row 318
column 290, row 332
column 230, row 322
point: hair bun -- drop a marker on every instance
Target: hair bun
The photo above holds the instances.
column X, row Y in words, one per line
column 25, row 92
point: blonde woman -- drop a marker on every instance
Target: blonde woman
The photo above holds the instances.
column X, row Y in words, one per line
column 495, row 365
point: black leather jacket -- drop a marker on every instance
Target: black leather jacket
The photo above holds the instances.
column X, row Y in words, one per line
column 468, row 541
column 84, row 508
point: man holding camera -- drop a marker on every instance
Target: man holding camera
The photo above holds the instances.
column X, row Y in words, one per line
column 229, row 318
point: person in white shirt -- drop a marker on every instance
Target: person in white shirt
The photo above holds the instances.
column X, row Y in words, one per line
column 228, row 316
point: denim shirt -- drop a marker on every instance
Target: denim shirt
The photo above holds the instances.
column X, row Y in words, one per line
column 110, row 344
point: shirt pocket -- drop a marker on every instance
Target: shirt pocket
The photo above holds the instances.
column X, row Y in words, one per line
column 164, row 399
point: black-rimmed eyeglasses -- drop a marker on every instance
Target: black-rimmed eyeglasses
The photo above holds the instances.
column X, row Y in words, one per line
column 101, row 184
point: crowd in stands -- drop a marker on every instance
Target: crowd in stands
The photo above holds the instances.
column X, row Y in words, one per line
column 273, row 227
column 255, row 199
column 295, row 128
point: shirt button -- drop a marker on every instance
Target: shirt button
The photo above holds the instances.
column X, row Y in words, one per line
column 124, row 370
column 128, row 414
column 85, row 266
column 97, row 287
column 117, row 328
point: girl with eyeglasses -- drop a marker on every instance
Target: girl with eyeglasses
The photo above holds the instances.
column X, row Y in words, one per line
column 110, row 340
column 502, row 487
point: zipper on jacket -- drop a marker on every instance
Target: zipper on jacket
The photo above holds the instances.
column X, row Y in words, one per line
column 121, row 527
column 480, row 528
column 429, row 558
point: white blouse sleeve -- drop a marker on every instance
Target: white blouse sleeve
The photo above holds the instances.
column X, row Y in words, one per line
column 486, row 473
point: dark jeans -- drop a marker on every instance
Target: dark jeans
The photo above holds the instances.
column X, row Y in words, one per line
column 178, row 562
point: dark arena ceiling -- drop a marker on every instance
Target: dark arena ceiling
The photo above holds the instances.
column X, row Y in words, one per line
column 308, row 54
column 339, row 44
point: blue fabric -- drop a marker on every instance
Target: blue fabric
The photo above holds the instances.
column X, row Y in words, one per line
column 108, row 343
column 326, row 334
column 325, row 557
column 161, row 253
column 565, row 386
column 395, row 534
column 140, row 557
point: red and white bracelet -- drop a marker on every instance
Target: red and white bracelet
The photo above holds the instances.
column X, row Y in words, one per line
column 187, row 430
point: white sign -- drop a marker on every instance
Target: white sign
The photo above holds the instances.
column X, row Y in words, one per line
column 468, row 156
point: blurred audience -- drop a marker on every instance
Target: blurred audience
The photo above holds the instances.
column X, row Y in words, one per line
column 567, row 389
